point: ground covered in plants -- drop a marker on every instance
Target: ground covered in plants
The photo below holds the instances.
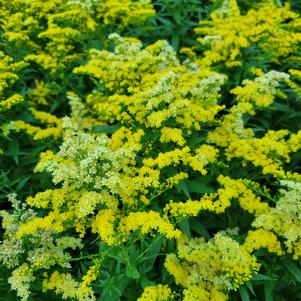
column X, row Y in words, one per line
column 150, row 150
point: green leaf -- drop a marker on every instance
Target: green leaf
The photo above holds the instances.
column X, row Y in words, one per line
column 165, row 21
column 133, row 253
column 184, row 225
column 84, row 268
column 281, row 107
column 10, row 296
column 110, row 295
column 131, row 271
column 144, row 282
column 153, row 251
column 175, row 40
column 250, row 287
column 14, row 151
column 244, row 294
column 122, row 282
column 260, row 277
column 268, row 291
column 57, row 102
column 198, row 186
column 117, row 255
column 22, row 182
column 182, row 187
column 106, row 129
column 194, row 140
column 292, row 268
column 199, row 228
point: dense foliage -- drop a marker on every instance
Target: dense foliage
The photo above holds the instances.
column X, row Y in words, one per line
column 150, row 150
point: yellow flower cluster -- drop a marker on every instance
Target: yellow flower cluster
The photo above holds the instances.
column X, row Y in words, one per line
column 283, row 219
column 158, row 91
column 261, row 238
column 273, row 149
column 272, row 28
column 156, row 293
column 49, row 35
column 146, row 221
column 210, row 268
column 9, row 70
column 217, row 202
column 198, row 292
column 53, row 126
column 203, row 155
column 105, row 221
column 124, row 12
column 296, row 75
column 103, row 225
column 88, row 278
column 261, row 91
column 47, row 251
column 54, row 221
column 65, row 285
column 172, row 135
column 20, row 281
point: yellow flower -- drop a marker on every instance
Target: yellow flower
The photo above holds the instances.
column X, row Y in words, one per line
column 218, row 266
column 103, row 224
column 54, row 222
column 272, row 28
column 260, row 238
column 156, row 293
column 21, row 279
column 145, row 222
column 172, row 135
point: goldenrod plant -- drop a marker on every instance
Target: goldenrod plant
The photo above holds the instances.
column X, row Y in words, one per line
column 162, row 175
column 41, row 43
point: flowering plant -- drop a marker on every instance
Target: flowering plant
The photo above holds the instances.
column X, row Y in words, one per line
column 171, row 177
